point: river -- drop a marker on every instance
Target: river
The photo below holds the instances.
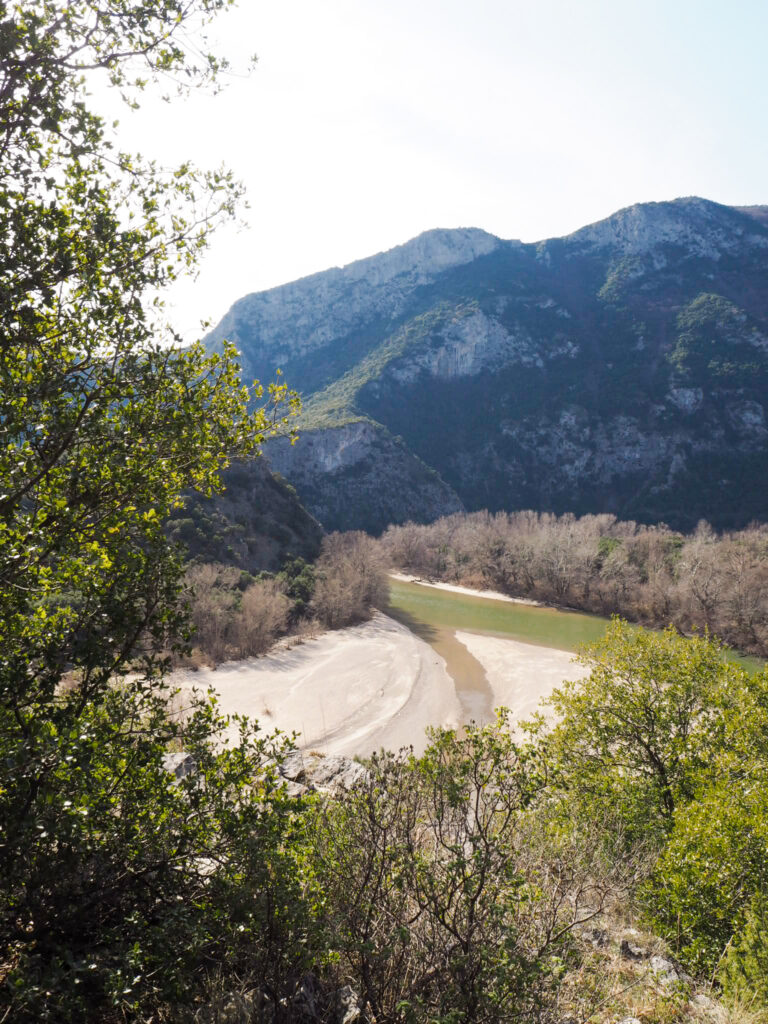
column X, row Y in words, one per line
column 437, row 616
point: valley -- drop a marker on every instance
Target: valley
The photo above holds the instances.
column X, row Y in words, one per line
column 437, row 657
column 373, row 658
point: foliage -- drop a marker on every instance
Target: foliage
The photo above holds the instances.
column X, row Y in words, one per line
column 640, row 722
column 256, row 523
column 716, row 344
column 123, row 888
column 104, row 864
column 744, row 972
column 444, row 901
column 712, row 866
column 299, row 579
column 665, row 743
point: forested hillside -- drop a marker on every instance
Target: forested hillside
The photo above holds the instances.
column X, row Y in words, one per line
column 255, row 524
column 622, row 369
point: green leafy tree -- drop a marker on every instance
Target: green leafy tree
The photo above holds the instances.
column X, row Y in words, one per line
column 637, row 732
column 711, row 868
column 116, row 884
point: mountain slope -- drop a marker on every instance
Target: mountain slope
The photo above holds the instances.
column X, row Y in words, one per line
column 255, row 524
column 623, row 368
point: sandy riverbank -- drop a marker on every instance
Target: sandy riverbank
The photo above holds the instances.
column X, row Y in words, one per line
column 351, row 691
column 455, row 588
column 520, row 675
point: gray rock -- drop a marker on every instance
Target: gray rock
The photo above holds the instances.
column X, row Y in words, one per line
column 293, row 766
column 179, row 765
column 599, row 937
column 332, row 773
column 629, row 1020
column 703, row 1002
column 304, row 772
column 350, row 1009
column 667, row 972
column 631, row 952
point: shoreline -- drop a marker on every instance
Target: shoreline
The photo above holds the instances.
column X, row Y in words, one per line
column 456, row 588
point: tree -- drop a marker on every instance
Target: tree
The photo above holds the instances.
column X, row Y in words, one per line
column 638, row 732
column 445, row 899
column 105, row 421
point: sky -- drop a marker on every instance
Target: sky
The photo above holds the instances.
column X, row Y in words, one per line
column 366, row 122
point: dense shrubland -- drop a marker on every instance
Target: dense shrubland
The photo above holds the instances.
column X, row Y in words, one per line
column 648, row 574
column 236, row 615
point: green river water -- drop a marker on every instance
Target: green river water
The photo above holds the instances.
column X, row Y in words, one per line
column 435, row 614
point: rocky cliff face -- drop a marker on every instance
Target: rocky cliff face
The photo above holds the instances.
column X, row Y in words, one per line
column 357, row 475
column 623, row 368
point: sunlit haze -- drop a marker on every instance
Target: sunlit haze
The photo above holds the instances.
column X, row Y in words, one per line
column 365, row 123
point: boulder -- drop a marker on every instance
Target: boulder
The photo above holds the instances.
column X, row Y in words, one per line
column 631, row 952
column 668, row 973
column 179, row 765
column 304, row 772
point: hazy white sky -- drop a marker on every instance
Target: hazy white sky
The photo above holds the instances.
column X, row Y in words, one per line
column 369, row 121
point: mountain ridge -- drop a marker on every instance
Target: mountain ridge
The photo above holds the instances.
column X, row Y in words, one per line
column 621, row 368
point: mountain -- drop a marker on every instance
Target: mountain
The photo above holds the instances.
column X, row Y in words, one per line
column 622, row 368
column 257, row 523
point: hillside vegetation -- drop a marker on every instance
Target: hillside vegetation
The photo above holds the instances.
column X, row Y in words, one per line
column 256, row 523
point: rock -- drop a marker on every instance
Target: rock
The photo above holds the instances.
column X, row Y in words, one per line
column 308, row 1000
column 629, row 1020
column 293, row 767
column 305, row 772
column 331, row 773
column 179, row 765
column 237, row 1008
column 631, row 952
column 667, row 972
column 296, row 789
column 703, row 1002
column 350, row 1009
column 599, row 937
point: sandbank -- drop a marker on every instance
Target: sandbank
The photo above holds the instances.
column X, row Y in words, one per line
column 350, row 691
column 520, row 675
column 455, row 588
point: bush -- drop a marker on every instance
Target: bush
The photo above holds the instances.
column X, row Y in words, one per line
column 744, row 972
column 445, row 898
column 712, row 867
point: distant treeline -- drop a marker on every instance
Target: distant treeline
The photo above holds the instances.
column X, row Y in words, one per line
column 648, row 574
